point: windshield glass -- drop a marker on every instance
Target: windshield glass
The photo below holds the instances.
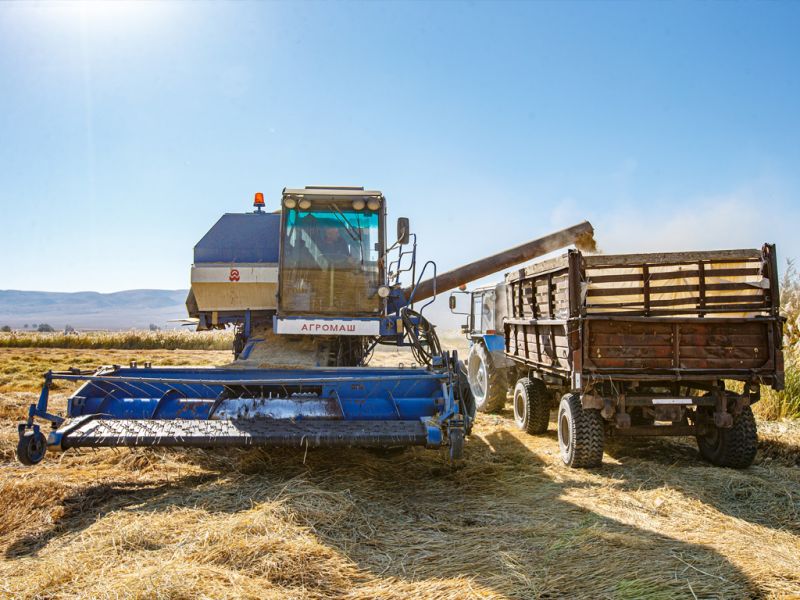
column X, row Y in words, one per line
column 330, row 261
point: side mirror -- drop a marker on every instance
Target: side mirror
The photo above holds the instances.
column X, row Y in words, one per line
column 403, row 230
column 452, row 301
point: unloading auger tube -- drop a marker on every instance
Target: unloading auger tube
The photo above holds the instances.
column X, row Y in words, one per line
column 498, row 262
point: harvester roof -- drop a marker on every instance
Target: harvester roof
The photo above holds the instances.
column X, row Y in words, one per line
column 331, row 192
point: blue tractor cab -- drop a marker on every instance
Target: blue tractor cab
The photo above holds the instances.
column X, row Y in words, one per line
column 487, row 366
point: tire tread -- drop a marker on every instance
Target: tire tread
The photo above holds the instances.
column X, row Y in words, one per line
column 537, row 415
column 587, row 432
column 496, row 383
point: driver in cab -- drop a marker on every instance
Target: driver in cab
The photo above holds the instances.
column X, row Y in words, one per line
column 334, row 247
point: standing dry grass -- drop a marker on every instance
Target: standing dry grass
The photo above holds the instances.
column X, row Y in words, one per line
column 786, row 404
column 513, row 522
column 134, row 339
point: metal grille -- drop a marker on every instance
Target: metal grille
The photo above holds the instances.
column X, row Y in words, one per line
column 243, row 432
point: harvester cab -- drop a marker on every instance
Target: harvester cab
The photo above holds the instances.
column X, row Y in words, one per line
column 321, row 267
column 311, row 289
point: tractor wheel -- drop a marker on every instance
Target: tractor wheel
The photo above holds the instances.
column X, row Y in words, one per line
column 531, row 406
column 733, row 447
column 31, row 448
column 580, row 433
column 488, row 384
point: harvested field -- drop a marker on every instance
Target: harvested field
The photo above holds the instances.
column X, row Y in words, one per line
column 653, row 522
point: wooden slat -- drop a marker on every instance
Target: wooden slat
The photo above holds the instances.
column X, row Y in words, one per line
column 686, row 352
column 688, row 326
column 597, row 353
column 669, row 289
column 723, row 363
column 717, row 328
column 670, row 258
column 540, row 268
column 735, row 352
column 724, row 299
column 683, row 302
column 686, row 274
column 740, row 308
column 631, row 363
column 621, row 339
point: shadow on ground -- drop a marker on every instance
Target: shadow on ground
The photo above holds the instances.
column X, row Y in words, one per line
column 501, row 521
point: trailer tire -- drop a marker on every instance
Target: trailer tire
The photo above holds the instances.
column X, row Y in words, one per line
column 31, row 448
column 733, row 447
column 580, row 433
column 531, row 406
column 489, row 384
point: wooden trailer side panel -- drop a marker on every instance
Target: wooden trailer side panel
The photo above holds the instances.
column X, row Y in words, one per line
column 695, row 345
column 536, row 329
column 695, row 314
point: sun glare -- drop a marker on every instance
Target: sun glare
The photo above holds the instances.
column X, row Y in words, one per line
column 99, row 14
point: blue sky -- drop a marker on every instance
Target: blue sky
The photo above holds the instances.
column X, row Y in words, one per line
column 126, row 130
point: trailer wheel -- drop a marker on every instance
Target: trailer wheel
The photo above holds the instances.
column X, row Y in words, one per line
column 580, row 433
column 488, row 384
column 531, row 406
column 31, row 448
column 733, row 447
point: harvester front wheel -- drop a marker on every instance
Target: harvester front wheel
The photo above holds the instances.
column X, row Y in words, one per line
column 580, row 433
column 31, row 448
column 488, row 383
column 456, row 445
column 531, row 406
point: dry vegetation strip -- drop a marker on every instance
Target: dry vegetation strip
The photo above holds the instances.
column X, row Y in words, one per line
column 134, row 339
column 21, row 369
column 654, row 522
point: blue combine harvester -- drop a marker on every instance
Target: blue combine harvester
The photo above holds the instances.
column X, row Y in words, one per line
column 311, row 290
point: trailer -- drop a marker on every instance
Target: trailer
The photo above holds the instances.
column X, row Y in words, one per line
column 645, row 345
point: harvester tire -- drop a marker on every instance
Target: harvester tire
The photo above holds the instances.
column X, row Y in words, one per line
column 531, row 406
column 580, row 433
column 456, row 445
column 466, row 398
column 489, row 384
column 31, row 448
column 733, row 447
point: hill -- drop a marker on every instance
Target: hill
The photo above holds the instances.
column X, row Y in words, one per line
column 92, row 310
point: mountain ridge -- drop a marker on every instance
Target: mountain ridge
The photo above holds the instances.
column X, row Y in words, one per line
column 137, row 308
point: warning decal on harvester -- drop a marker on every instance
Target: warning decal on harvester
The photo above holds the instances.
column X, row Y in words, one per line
column 328, row 326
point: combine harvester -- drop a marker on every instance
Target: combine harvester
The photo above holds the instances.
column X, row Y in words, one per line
column 311, row 291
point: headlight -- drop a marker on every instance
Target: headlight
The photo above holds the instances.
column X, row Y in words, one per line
column 305, row 204
column 290, row 202
column 384, row 291
column 359, row 204
column 373, row 204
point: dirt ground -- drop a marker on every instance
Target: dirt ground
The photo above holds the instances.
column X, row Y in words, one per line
column 512, row 522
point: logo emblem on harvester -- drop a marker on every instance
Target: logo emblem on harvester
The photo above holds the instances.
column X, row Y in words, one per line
column 328, row 326
column 234, row 276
